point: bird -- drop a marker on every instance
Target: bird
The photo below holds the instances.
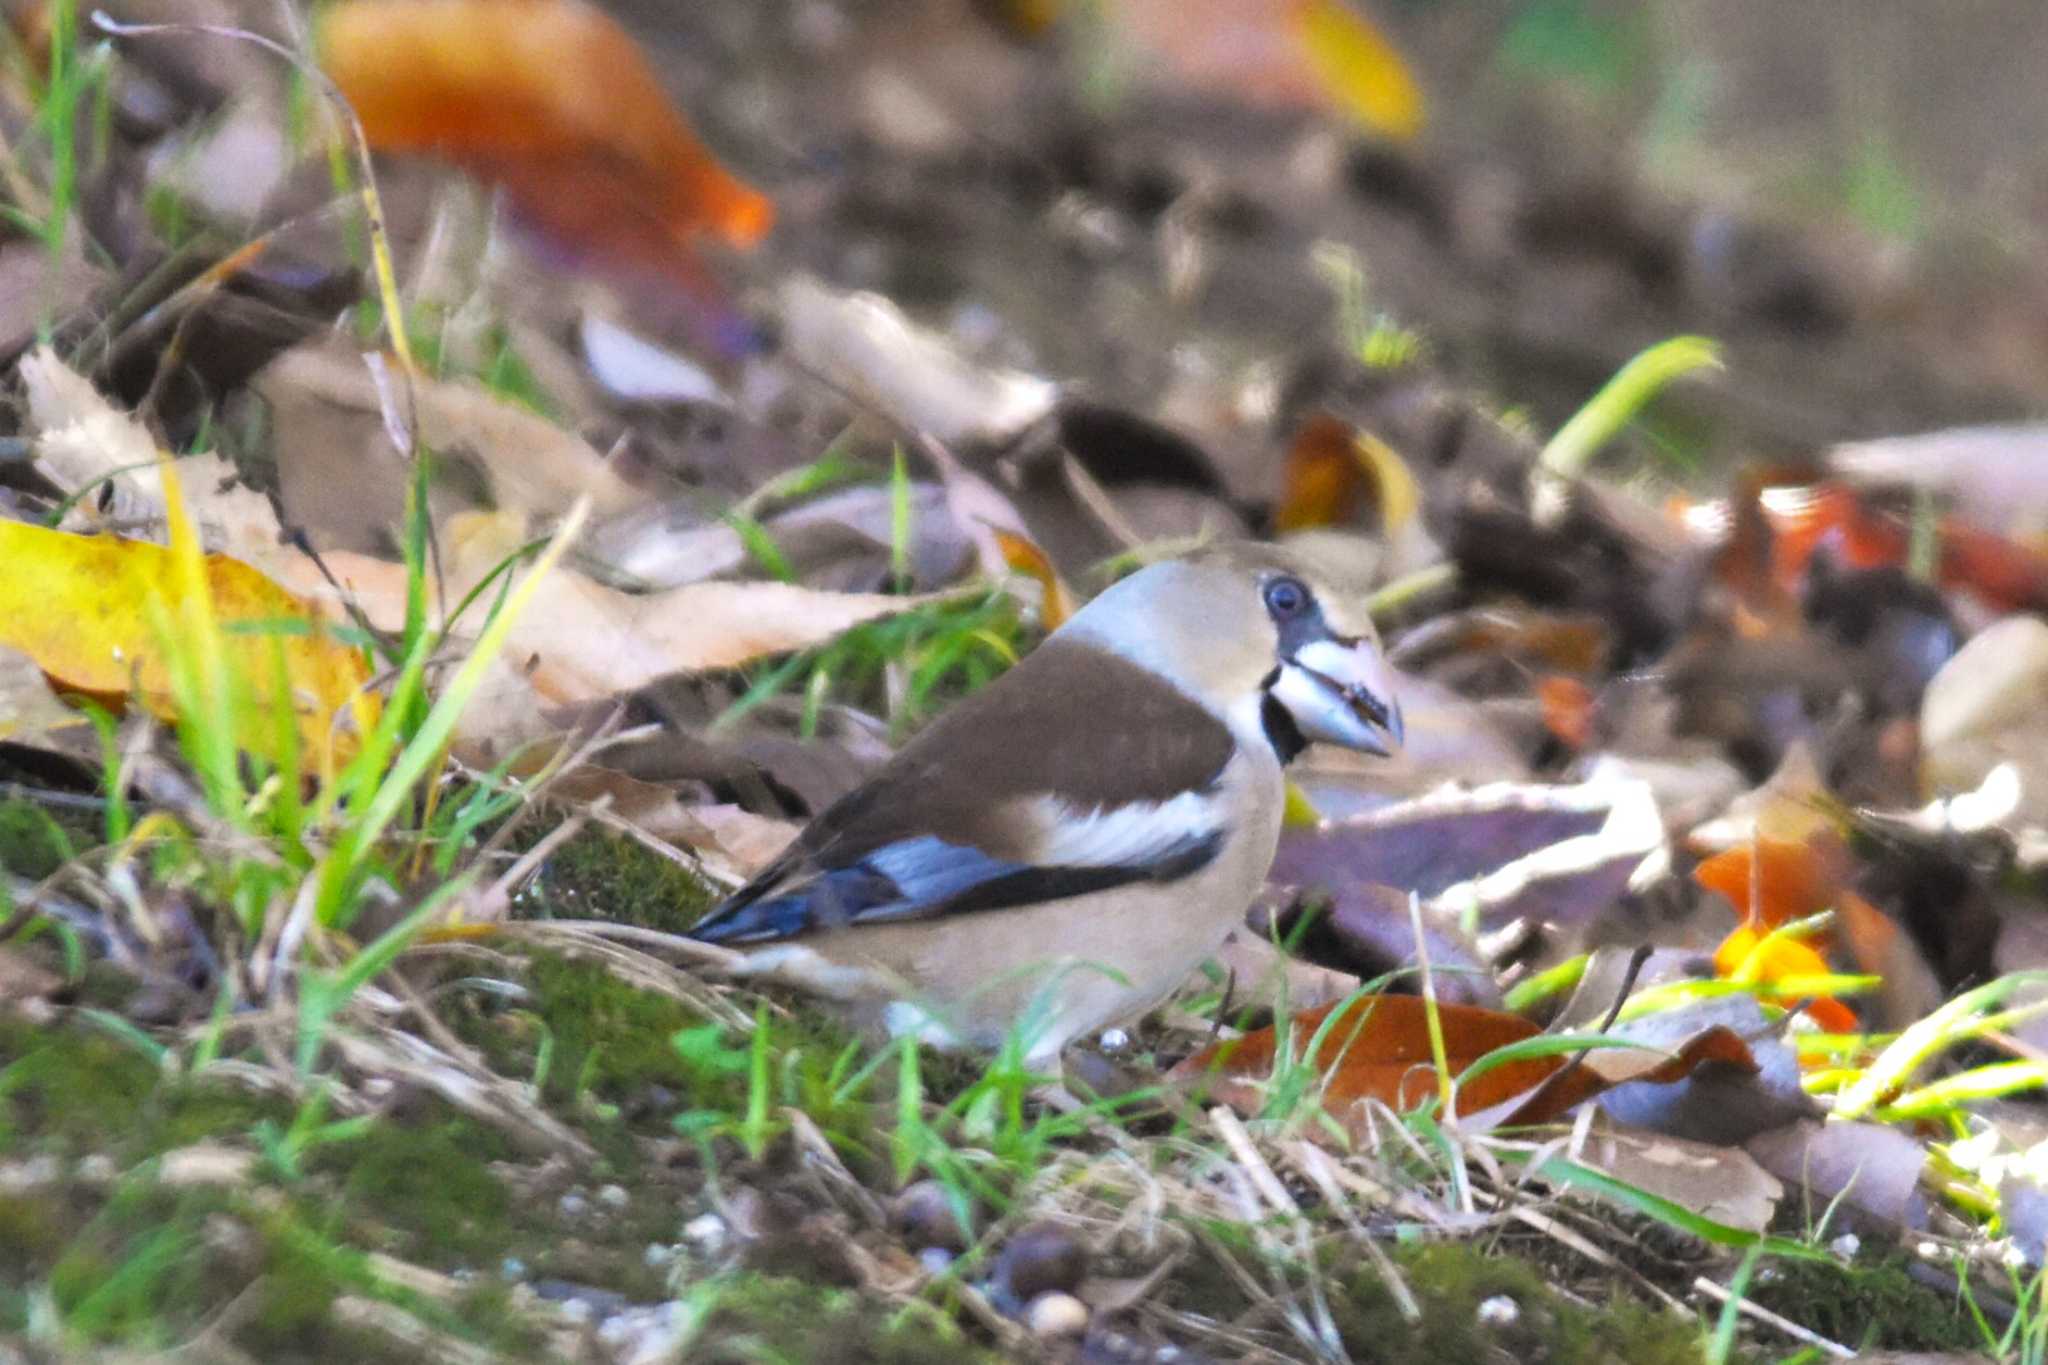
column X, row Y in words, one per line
column 1058, row 851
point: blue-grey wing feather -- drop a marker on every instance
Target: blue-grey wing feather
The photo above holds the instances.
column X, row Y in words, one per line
column 925, row 876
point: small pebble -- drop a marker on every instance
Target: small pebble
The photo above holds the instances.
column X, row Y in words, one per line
column 1499, row 1311
column 1041, row 1258
column 706, row 1233
column 924, row 1214
column 1114, row 1040
column 573, row 1205
column 935, row 1260
column 614, row 1197
column 1056, row 1315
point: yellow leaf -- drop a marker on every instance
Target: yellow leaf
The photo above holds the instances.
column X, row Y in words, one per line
column 80, row 606
column 1298, row 811
column 1359, row 68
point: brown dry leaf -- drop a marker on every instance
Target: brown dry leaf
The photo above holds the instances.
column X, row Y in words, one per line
column 340, row 478
column 1379, row 1049
column 1323, row 481
column 1260, row 973
column 578, row 640
column 1984, row 709
column 552, row 100
column 732, row 840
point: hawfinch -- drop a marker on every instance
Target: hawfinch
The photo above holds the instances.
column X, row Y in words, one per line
column 1058, row 851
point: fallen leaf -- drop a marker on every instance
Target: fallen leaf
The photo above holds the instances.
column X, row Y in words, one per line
column 1771, row 882
column 27, row 705
column 864, row 344
column 1288, row 54
column 1262, row 974
column 81, row 606
column 579, row 640
column 1870, row 1171
column 1055, row 602
column 1569, row 708
column 1711, row 1179
column 1832, row 518
column 550, row 99
column 1322, row 482
column 341, row 479
column 1377, row 1047
column 86, row 447
column 1984, row 709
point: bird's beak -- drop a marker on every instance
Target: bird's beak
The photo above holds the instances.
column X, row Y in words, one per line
column 1341, row 693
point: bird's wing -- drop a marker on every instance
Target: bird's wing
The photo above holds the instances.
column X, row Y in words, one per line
column 1028, row 791
column 925, row 875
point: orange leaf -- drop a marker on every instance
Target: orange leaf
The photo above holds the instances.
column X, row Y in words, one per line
column 1806, row 519
column 1758, row 957
column 1773, row 881
column 1379, row 1049
column 1024, row 555
column 549, row 98
column 1568, row 706
column 1323, row 483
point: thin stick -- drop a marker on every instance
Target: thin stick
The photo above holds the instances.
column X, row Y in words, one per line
column 1764, row 1315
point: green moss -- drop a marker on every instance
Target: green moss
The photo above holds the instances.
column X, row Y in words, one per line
column 75, row 1088
column 602, row 875
column 774, row 1318
column 35, row 840
column 426, row 1189
column 1451, row 1279
column 1866, row 1305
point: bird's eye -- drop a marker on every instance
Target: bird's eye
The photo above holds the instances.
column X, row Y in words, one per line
column 1286, row 597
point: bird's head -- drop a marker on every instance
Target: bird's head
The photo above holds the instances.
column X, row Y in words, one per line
column 1273, row 638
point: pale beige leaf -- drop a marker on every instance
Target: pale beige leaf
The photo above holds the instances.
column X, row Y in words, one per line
column 1722, row 1183
column 81, row 439
column 27, row 705
column 865, row 344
